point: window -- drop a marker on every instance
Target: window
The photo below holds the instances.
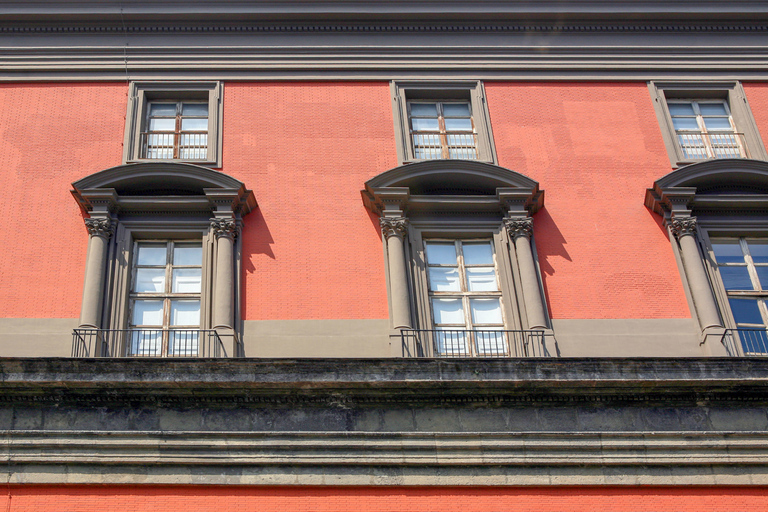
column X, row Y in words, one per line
column 743, row 267
column 442, row 121
column 161, row 276
column 174, row 121
column 461, row 269
column 706, row 121
column 442, row 129
column 465, row 296
column 176, row 131
column 165, row 298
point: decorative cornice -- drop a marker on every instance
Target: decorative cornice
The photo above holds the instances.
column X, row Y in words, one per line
column 682, row 227
column 226, row 228
column 100, row 227
column 394, row 226
column 519, row 227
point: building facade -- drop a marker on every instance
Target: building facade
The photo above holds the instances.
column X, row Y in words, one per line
column 332, row 255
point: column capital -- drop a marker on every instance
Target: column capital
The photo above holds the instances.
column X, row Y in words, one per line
column 682, row 227
column 224, row 228
column 100, row 227
column 519, row 227
column 394, row 226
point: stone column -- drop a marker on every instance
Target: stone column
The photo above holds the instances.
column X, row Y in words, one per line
column 100, row 231
column 684, row 230
column 394, row 230
column 225, row 231
column 521, row 230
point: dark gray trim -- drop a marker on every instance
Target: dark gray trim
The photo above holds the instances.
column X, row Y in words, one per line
column 140, row 94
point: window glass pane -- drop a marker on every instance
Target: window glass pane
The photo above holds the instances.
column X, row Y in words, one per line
column 758, row 249
column 485, row 311
column 458, row 124
column 194, row 124
column 681, row 109
column 151, row 255
column 736, row 278
column 424, row 109
column 712, row 109
column 187, row 280
column 147, row 312
column 448, row 341
column 188, row 255
column 490, row 342
column 441, row 253
column 762, row 276
column 685, row 123
column 149, row 280
column 162, row 125
column 420, row 124
column 146, row 342
column 456, row 109
column 448, row 311
column 162, row 109
column 194, row 109
column 745, row 311
column 444, row 279
column 183, row 343
column 481, row 279
column 185, row 312
column 478, row 253
column 717, row 123
column 727, row 251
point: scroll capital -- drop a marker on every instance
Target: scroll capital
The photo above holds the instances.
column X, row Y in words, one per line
column 397, row 226
column 519, row 227
column 100, row 227
column 682, row 227
column 226, row 228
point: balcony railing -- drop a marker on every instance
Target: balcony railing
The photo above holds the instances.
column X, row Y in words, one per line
column 474, row 343
column 153, row 343
column 748, row 342
column 174, row 145
column 700, row 145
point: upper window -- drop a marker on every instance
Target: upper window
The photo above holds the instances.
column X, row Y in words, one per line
column 442, row 121
column 174, row 122
column 706, row 121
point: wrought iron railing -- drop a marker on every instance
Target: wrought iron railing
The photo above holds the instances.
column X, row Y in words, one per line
column 153, row 343
column 701, row 145
column 174, row 145
column 746, row 342
column 476, row 343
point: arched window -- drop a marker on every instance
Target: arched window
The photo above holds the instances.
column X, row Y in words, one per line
column 717, row 216
column 163, row 256
column 461, row 269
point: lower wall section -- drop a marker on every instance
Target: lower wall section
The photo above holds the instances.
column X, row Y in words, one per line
column 86, row 498
column 628, row 338
column 318, row 338
column 36, row 337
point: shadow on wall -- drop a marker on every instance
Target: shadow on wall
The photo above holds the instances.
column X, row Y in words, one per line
column 553, row 244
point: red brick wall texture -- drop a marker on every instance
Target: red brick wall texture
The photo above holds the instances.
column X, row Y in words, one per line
column 312, row 251
column 81, row 498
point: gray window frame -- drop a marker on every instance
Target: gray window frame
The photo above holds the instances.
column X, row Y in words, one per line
column 141, row 94
column 732, row 93
column 404, row 92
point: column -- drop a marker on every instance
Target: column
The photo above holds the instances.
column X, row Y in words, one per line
column 100, row 231
column 225, row 231
column 684, row 230
column 394, row 230
column 521, row 230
